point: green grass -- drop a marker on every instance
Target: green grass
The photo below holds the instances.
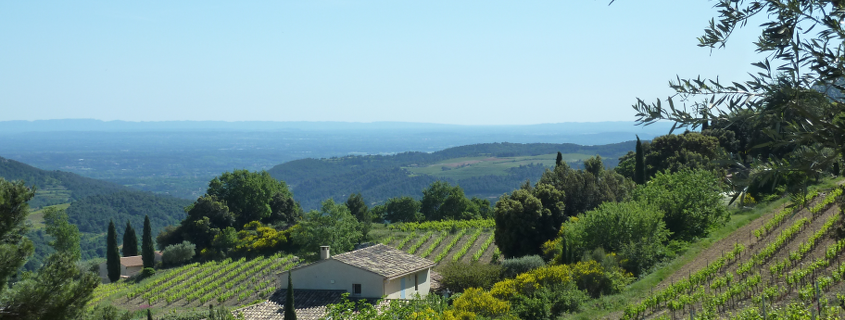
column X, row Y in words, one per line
column 599, row 308
column 37, row 217
column 460, row 168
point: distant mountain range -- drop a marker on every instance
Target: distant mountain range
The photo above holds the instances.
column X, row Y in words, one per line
column 567, row 128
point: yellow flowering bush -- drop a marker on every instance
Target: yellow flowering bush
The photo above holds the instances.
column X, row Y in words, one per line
column 431, row 314
column 589, row 276
column 480, row 302
column 258, row 238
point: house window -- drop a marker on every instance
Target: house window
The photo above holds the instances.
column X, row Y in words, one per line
column 416, row 283
column 356, row 288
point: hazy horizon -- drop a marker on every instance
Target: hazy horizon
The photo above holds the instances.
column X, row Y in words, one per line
column 464, row 63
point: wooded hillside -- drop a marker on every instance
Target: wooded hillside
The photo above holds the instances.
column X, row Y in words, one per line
column 379, row 177
column 54, row 187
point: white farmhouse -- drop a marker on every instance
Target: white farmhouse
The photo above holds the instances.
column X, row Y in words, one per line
column 373, row 272
column 370, row 273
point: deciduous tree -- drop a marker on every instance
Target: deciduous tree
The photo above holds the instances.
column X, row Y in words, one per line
column 360, row 211
column 248, row 194
column 526, row 219
column 402, row 209
column 332, row 226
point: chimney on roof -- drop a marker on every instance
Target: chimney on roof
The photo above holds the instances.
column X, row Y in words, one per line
column 324, row 252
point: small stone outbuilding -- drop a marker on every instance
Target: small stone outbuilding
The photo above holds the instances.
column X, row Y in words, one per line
column 129, row 266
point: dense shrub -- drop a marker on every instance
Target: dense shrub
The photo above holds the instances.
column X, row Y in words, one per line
column 638, row 235
column 459, row 276
column 549, row 302
column 177, row 254
column 148, row 272
column 512, row 267
column 480, row 302
column 691, row 201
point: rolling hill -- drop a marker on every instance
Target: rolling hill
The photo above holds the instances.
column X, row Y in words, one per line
column 55, row 187
column 483, row 170
column 90, row 204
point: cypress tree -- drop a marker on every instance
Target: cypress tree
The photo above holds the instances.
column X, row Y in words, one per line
column 290, row 312
column 112, row 254
column 130, row 241
column 149, row 315
column 639, row 166
column 559, row 159
column 147, row 249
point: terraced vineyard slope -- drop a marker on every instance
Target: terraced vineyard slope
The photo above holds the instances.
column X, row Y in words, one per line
column 788, row 264
column 227, row 283
column 443, row 241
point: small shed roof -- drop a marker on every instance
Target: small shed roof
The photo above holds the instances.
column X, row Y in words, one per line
column 131, row 261
column 384, row 260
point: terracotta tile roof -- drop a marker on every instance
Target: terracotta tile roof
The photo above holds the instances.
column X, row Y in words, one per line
column 384, row 260
column 309, row 304
column 131, row 261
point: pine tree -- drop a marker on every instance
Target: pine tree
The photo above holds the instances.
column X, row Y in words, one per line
column 290, row 312
column 559, row 159
column 130, row 241
column 639, row 166
column 112, row 254
column 147, row 248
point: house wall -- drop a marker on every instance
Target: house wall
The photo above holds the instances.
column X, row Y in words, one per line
column 104, row 273
column 130, row 271
column 393, row 288
column 335, row 275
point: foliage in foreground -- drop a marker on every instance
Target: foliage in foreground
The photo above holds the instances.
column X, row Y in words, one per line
column 59, row 289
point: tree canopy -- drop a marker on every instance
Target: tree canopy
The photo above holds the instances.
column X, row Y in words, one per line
column 248, row 195
column 59, row 289
column 235, row 201
column 799, row 87
column 333, row 225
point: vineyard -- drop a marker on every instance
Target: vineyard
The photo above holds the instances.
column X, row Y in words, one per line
column 228, row 282
column 791, row 268
column 442, row 241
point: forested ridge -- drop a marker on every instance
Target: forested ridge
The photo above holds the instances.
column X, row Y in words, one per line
column 54, row 187
column 92, row 215
column 93, row 203
column 380, row 177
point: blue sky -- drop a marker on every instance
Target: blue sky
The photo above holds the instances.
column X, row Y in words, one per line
column 455, row 62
